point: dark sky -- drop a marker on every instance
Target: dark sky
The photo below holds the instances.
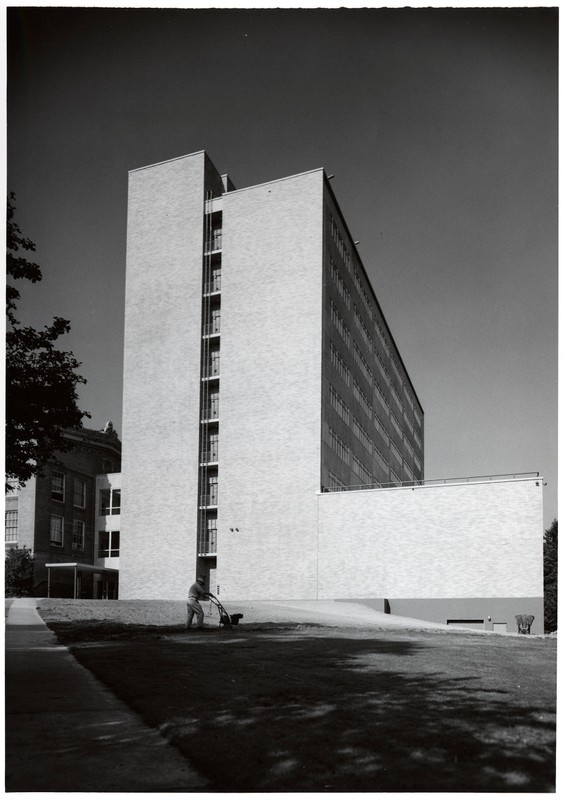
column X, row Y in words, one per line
column 440, row 126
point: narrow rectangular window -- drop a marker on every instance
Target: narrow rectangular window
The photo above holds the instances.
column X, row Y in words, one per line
column 77, row 534
column 79, row 493
column 108, row 544
column 11, row 526
column 57, row 530
column 58, row 486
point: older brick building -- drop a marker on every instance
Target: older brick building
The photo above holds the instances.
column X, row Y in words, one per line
column 55, row 517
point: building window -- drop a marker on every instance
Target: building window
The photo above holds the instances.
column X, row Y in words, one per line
column 339, row 365
column 339, row 446
column 110, row 502
column 362, row 363
column 339, row 406
column 57, row 529
column 108, row 544
column 339, row 323
column 340, row 284
column 361, row 470
column 11, row 526
column 58, row 486
column 77, row 534
column 79, row 492
column 334, row 482
column 362, row 399
column 361, row 434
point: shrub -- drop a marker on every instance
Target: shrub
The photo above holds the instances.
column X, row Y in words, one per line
column 19, row 573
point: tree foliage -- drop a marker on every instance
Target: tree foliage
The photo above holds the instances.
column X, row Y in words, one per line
column 41, row 381
column 19, row 573
column 551, row 578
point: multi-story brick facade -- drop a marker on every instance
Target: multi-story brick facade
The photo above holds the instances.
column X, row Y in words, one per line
column 260, row 377
column 54, row 515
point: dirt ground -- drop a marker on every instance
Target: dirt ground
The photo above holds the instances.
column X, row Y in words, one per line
column 277, row 706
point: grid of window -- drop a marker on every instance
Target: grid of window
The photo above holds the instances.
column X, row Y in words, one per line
column 395, row 423
column 58, row 486
column 417, row 463
column 382, row 337
column 57, row 530
column 77, row 534
column 417, row 417
column 108, row 544
column 362, row 399
column 361, row 470
column 408, row 421
column 396, row 395
column 339, row 323
column 409, row 473
column 396, row 370
column 381, row 396
column 381, row 459
column 417, row 439
column 79, row 493
column 337, row 403
column 409, row 448
column 361, row 434
column 383, row 368
column 362, row 363
column 379, row 425
column 339, row 446
column 339, row 241
column 359, row 283
column 395, row 476
column 340, row 284
column 110, row 502
column 11, row 522
column 363, row 329
column 339, row 365
column 396, row 452
column 334, row 482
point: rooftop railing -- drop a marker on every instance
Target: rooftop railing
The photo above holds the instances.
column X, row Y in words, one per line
column 433, row 482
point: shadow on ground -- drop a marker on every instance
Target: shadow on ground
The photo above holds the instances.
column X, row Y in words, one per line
column 312, row 709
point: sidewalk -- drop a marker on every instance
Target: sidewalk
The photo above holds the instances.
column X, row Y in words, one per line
column 65, row 732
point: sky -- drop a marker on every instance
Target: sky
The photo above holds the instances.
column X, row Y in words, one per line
column 439, row 126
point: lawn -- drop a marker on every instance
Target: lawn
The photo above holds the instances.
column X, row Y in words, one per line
column 302, row 708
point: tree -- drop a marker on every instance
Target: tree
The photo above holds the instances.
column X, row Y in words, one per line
column 19, row 573
column 41, row 381
column 551, row 578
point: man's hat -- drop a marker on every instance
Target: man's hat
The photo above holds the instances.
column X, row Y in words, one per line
column 200, row 580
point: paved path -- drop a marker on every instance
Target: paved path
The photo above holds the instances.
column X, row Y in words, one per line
column 66, row 732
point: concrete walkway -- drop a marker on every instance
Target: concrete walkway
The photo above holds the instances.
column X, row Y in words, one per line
column 65, row 732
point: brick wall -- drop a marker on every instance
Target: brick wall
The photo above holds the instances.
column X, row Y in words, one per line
column 270, row 391
column 463, row 540
column 162, row 378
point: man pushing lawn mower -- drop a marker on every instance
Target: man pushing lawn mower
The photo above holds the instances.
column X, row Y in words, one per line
column 195, row 594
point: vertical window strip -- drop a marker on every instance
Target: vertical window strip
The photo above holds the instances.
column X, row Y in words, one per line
column 361, row 434
column 339, row 323
column 339, row 446
column 340, row 284
column 339, row 406
column 362, row 328
column 362, row 399
column 362, row 363
column 58, row 486
column 339, row 365
column 361, row 470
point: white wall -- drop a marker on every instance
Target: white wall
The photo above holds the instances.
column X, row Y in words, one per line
column 463, row 540
column 270, row 389
column 161, row 378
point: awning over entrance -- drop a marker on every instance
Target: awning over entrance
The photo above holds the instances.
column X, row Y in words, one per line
column 75, row 568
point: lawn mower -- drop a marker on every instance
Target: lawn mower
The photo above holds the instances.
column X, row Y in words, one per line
column 225, row 619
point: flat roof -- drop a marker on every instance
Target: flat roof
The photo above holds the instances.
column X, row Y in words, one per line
column 81, row 567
